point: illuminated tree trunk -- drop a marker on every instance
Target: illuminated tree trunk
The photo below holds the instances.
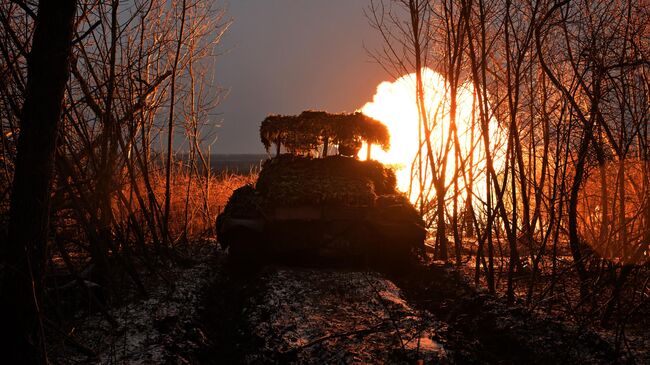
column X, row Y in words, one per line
column 415, row 10
column 170, row 128
column 24, row 253
column 326, row 145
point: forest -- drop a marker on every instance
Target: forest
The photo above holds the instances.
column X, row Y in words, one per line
column 531, row 176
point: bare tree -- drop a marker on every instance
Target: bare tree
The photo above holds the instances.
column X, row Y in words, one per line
column 25, row 252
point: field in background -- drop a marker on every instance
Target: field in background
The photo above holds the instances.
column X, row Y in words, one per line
column 197, row 199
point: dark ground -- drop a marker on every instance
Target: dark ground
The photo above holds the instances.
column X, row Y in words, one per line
column 464, row 326
column 221, row 313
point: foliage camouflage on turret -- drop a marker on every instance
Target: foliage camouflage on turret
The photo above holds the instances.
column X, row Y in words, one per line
column 304, row 133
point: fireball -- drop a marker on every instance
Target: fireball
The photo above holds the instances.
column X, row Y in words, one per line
column 394, row 104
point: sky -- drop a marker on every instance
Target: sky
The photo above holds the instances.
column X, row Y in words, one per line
column 286, row 56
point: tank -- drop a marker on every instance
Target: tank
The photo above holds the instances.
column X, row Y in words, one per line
column 322, row 211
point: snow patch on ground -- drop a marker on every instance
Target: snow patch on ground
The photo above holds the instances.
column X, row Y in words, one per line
column 323, row 316
column 155, row 330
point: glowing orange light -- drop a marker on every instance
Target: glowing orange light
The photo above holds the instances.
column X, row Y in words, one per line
column 394, row 104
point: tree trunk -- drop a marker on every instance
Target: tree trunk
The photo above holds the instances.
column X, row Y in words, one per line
column 170, row 129
column 326, row 145
column 23, row 255
column 441, row 233
column 574, row 239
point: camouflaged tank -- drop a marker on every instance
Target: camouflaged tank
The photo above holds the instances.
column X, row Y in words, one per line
column 333, row 210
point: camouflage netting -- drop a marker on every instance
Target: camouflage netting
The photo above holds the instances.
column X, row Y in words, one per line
column 293, row 180
column 371, row 223
column 396, row 207
column 243, row 203
column 303, row 133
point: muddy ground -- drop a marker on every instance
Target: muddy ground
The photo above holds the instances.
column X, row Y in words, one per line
column 220, row 313
column 279, row 314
